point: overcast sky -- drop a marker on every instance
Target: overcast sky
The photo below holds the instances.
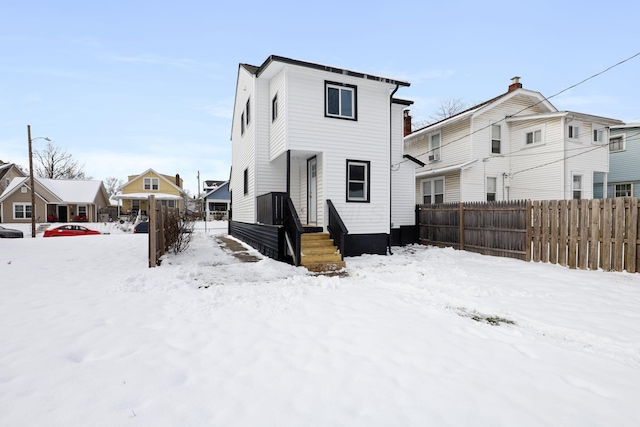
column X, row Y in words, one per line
column 129, row 85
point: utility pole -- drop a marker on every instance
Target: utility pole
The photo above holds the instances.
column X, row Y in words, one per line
column 33, row 190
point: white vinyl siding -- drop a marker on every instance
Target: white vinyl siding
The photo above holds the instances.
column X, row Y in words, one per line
column 402, row 176
column 277, row 134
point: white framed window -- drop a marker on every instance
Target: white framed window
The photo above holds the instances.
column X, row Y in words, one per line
column 599, row 133
column 23, row 190
column 576, row 186
column 82, row 210
column 496, row 139
column 434, row 147
column 617, row 143
column 573, row 131
column 358, row 180
column 432, row 191
column 492, row 182
column 533, row 136
column 21, row 210
column 340, row 100
column 169, row 203
column 135, row 204
column 274, row 108
column 151, row 183
column 623, row 190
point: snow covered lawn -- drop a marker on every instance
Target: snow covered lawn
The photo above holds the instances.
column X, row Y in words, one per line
column 90, row 336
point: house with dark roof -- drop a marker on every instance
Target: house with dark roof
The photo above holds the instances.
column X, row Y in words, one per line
column 217, row 202
column 8, row 171
column 514, row 146
column 316, row 152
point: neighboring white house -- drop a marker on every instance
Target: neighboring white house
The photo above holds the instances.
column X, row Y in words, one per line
column 313, row 133
column 512, row 147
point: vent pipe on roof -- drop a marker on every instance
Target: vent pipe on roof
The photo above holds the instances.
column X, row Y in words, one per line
column 515, row 84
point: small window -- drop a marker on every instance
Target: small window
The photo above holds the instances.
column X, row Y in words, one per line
column 7, row 181
column 577, row 187
column 340, row 100
column 274, row 108
column 246, row 181
column 433, row 191
column 434, row 148
column 496, row 139
column 242, row 124
column 135, row 204
column 598, row 135
column 573, row 132
column 533, row 137
column 151, row 183
column 491, row 188
column 248, row 109
column 616, row 143
column 358, row 181
column 623, row 190
column 82, row 210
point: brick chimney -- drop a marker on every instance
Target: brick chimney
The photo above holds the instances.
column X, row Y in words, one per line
column 515, row 84
column 407, row 123
column 178, row 180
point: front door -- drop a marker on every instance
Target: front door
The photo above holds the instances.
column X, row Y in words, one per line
column 62, row 214
column 312, row 187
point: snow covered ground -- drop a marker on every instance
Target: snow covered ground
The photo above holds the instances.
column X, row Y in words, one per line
column 90, row 336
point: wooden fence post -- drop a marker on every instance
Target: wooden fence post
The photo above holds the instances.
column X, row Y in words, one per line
column 553, row 231
column 461, row 219
column 618, row 234
column 594, row 235
column 152, row 231
column 528, row 233
column 606, row 225
column 632, row 237
column 583, row 235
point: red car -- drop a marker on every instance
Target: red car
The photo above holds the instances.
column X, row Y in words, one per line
column 69, row 230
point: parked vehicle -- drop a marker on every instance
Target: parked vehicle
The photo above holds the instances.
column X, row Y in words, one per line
column 142, row 227
column 69, row 230
column 9, row 233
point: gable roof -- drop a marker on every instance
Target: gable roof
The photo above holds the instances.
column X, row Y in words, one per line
column 180, row 190
column 69, row 191
column 6, row 167
column 222, row 189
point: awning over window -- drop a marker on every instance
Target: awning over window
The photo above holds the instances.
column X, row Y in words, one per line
column 445, row 169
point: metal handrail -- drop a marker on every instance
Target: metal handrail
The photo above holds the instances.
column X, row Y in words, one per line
column 293, row 229
column 336, row 228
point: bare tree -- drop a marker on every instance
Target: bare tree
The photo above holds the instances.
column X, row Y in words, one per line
column 112, row 185
column 55, row 163
column 447, row 108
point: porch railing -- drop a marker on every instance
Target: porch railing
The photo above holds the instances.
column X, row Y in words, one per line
column 292, row 229
column 336, row 227
column 270, row 208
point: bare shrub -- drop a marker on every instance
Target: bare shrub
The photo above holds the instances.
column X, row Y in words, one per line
column 177, row 233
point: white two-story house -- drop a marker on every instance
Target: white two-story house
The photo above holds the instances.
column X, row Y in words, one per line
column 515, row 146
column 318, row 149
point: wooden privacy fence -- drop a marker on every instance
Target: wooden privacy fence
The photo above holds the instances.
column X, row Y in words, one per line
column 575, row 233
column 159, row 237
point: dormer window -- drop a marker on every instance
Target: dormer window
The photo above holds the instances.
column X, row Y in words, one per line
column 340, row 101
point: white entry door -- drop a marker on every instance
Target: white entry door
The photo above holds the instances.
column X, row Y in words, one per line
column 312, row 188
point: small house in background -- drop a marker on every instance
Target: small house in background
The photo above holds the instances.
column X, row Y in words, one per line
column 514, row 146
column 209, row 185
column 134, row 194
column 8, row 171
column 217, row 202
column 317, row 151
column 623, row 179
column 56, row 200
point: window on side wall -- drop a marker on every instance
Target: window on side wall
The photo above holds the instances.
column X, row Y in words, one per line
column 358, row 181
column 573, row 131
column 274, row 108
column 248, row 111
column 242, row 124
column 340, row 101
column 616, row 143
column 623, row 190
column 434, row 147
column 491, row 188
column 496, row 139
column 577, row 187
column 533, row 137
column 246, row 181
column 433, row 191
column 598, row 135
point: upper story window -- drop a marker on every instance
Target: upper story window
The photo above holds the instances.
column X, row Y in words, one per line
column 274, row 108
column 616, row 143
column 434, row 147
column 248, row 111
column 245, row 178
column 358, row 181
column 496, row 139
column 340, row 100
column 151, row 184
column 598, row 135
column 533, row 136
column 573, row 132
column 242, row 124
